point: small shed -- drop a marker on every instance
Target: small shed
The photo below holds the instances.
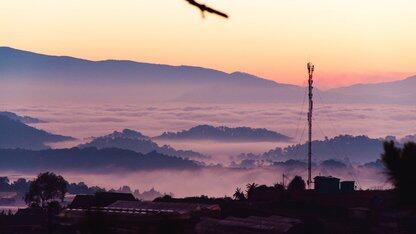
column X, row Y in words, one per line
column 326, row 184
column 347, row 186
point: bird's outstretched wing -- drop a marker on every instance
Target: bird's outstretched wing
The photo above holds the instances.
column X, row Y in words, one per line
column 204, row 8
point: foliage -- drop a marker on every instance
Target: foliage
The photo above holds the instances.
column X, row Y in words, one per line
column 239, row 195
column 279, row 187
column 400, row 166
column 82, row 188
column 250, row 189
column 45, row 188
column 297, row 184
column 4, row 184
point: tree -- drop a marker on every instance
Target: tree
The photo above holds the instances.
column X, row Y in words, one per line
column 400, row 164
column 21, row 186
column 279, row 187
column 297, row 184
column 239, row 195
column 4, row 184
column 250, row 188
column 45, row 188
column 124, row 189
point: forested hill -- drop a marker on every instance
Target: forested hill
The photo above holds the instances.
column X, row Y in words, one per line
column 222, row 133
column 359, row 149
column 88, row 159
column 15, row 134
column 135, row 141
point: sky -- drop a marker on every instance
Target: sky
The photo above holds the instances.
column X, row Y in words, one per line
column 349, row 41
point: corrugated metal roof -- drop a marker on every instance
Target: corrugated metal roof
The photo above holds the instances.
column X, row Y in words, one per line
column 181, row 208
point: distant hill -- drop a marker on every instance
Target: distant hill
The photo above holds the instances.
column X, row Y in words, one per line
column 67, row 78
column 378, row 165
column 393, row 92
column 15, row 134
column 332, row 164
column 135, row 141
column 222, row 133
column 291, row 164
column 23, row 119
column 63, row 77
column 88, row 159
column 360, row 149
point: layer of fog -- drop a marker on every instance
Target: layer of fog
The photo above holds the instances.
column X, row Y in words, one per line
column 216, row 182
column 85, row 120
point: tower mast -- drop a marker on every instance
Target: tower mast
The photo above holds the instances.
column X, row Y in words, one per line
column 311, row 68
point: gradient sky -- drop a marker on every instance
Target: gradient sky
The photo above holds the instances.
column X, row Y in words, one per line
column 349, row 41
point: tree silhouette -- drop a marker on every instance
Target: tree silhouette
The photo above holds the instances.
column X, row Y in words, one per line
column 400, row 166
column 279, row 187
column 250, row 188
column 297, row 184
column 239, row 195
column 45, row 188
column 4, row 184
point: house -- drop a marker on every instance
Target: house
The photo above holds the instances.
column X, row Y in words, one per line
column 133, row 215
column 99, row 199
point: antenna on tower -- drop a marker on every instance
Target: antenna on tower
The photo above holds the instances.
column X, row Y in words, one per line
column 311, row 68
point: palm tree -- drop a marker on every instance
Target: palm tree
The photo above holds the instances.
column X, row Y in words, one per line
column 250, row 188
column 239, row 195
column 400, row 166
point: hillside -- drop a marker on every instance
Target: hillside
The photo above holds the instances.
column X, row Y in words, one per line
column 88, row 159
column 222, row 133
column 60, row 76
column 15, row 134
column 393, row 92
column 359, row 149
column 23, row 119
column 135, row 141
column 69, row 78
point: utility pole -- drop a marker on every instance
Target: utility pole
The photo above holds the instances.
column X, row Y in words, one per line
column 311, row 68
column 283, row 180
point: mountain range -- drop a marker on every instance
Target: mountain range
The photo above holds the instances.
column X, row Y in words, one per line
column 393, row 92
column 23, row 119
column 59, row 78
column 16, row 134
column 88, row 159
column 356, row 149
column 224, row 134
column 135, row 141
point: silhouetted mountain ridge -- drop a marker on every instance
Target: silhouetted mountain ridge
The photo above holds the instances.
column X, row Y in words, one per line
column 360, row 149
column 15, row 134
column 399, row 91
column 153, row 81
column 23, row 119
column 136, row 141
column 222, row 133
column 88, row 159
column 69, row 78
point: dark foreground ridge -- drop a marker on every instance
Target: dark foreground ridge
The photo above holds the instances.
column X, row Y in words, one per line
column 88, row 159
